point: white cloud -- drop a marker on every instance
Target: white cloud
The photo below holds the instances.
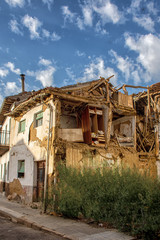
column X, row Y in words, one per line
column 87, row 14
column 141, row 14
column 145, row 21
column 148, row 49
column 14, row 25
column 107, row 11
column 55, row 37
column 33, row 25
column 48, row 2
column 11, row 88
column 30, row 73
column 46, row 76
column 68, row 15
column 80, row 54
column 46, row 33
column 15, row 3
column 70, row 74
column 96, row 69
column 80, row 23
column 130, row 69
column 100, row 29
column 136, row 77
column 99, row 11
column 35, row 28
column 3, row 72
column 134, row 7
column 44, row 62
column 124, row 65
column 151, row 8
column 12, row 68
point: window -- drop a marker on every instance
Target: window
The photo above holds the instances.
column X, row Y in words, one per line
column 8, row 171
column 21, row 167
column 22, row 126
column 38, row 119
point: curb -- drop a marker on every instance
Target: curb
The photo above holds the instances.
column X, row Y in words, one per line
column 22, row 220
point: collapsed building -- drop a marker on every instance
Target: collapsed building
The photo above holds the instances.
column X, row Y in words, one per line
column 89, row 124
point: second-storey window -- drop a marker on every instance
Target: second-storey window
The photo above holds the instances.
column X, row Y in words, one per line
column 22, row 125
column 38, row 119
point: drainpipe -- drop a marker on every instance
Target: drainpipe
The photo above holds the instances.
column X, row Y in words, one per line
column 47, row 161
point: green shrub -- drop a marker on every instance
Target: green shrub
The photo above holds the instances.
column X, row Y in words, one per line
column 126, row 199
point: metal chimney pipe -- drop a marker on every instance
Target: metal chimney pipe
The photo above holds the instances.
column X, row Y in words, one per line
column 22, row 79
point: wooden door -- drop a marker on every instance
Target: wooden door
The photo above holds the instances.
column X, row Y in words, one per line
column 40, row 180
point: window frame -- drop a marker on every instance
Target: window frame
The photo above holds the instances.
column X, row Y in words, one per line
column 20, row 130
column 39, row 119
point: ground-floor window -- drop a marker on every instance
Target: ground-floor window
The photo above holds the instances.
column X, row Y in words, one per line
column 21, row 168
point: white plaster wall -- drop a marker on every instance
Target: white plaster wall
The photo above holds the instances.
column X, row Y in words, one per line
column 21, row 152
column 4, row 159
column 30, row 151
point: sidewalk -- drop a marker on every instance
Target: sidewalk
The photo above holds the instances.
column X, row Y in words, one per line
column 67, row 228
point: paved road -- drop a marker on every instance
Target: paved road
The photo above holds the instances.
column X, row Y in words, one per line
column 14, row 231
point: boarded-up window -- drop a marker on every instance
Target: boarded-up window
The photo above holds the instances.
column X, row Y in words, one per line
column 21, row 168
column 38, row 119
column 22, row 125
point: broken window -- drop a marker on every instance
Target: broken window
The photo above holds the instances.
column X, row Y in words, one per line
column 21, row 168
column 38, row 119
column 123, row 129
column 22, row 126
column 69, row 129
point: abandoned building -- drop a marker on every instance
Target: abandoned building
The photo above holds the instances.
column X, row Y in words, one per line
column 91, row 124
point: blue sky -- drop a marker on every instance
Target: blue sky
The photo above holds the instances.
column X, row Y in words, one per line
column 62, row 42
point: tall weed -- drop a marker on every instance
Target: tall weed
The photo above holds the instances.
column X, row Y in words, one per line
column 128, row 200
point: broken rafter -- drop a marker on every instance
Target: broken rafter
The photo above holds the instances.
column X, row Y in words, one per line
column 102, row 80
column 131, row 86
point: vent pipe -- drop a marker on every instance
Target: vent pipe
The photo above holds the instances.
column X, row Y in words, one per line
column 22, row 79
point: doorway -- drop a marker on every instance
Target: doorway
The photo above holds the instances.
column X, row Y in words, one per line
column 40, row 180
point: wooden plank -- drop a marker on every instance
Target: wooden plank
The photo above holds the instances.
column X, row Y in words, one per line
column 131, row 86
column 106, row 119
column 107, row 91
column 94, row 123
column 86, row 127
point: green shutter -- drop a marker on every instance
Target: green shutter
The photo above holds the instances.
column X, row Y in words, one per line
column 39, row 115
column 23, row 126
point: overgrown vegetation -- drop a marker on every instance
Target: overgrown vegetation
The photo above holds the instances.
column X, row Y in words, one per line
column 126, row 199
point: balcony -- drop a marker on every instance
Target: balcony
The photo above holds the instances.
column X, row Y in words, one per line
column 4, row 141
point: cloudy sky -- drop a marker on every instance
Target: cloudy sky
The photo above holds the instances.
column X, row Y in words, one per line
column 62, row 42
